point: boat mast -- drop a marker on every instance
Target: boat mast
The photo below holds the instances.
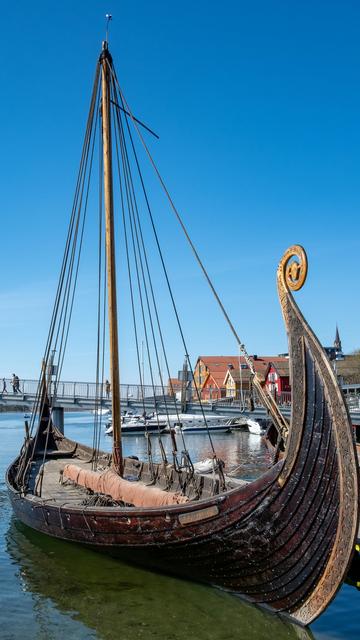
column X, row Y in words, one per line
column 106, row 61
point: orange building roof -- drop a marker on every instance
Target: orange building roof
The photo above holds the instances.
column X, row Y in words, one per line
column 174, row 383
column 218, row 366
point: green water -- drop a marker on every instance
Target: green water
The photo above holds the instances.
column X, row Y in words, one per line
column 55, row 590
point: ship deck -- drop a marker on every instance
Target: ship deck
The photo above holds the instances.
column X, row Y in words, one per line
column 54, row 491
column 46, row 480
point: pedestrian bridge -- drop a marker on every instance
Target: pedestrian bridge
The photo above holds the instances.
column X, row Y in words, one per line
column 82, row 396
column 77, row 394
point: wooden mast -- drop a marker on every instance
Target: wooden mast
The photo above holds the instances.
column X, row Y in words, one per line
column 110, row 258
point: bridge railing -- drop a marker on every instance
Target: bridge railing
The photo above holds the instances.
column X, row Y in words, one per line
column 74, row 390
column 353, row 402
column 220, row 398
column 7, row 387
column 83, row 390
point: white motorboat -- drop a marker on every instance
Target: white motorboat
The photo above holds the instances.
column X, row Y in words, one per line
column 132, row 418
column 100, row 411
column 255, row 427
column 192, row 423
column 239, row 422
column 134, row 424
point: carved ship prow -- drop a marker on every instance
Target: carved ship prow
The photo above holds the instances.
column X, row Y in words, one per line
column 283, row 541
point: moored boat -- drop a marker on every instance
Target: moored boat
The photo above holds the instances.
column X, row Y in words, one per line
column 180, row 422
column 101, row 411
column 283, row 541
column 255, row 427
column 198, row 425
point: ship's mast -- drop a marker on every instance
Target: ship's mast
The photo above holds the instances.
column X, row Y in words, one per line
column 106, row 62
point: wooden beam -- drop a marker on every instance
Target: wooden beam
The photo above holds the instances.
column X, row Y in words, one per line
column 110, row 260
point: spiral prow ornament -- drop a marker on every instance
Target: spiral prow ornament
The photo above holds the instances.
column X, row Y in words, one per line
column 293, row 267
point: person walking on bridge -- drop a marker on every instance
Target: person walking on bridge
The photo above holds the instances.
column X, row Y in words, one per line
column 15, row 383
column 4, row 389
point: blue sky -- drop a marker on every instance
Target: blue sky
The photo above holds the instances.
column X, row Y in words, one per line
column 257, row 107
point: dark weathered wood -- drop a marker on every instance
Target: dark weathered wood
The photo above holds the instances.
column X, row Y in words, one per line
column 284, row 540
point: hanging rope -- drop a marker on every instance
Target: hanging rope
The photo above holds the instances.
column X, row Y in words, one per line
column 101, row 290
column 139, row 234
column 131, row 288
column 62, row 309
column 265, row 397
column 241, row 391
column 165, row 270
column 142, row 308
column 168, row 284
column 132, row 207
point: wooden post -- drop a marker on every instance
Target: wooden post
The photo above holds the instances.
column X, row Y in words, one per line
column 184, row 384
column 110, row 259
column 57, row 416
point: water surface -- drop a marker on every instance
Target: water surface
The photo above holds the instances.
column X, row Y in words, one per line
column 51, row 589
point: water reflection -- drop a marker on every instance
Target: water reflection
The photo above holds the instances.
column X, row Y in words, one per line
column 51, row 590
column 116, row 600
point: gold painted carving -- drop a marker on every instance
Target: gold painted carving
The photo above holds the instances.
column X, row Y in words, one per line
column 293, row 272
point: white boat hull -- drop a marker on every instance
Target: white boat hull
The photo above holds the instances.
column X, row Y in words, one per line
column 255, row 428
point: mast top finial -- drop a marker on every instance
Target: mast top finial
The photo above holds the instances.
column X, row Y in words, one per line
column 108, row 17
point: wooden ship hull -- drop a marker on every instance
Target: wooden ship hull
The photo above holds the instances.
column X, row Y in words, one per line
column 284, row 541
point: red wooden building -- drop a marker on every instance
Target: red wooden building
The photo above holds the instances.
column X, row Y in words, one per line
column 210, row 373
column 277, row 377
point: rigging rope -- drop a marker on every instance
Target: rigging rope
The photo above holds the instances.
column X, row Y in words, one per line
column 61, row 302
column 241, row 391
column 266, row 398
column 99, row 384
column 139, row 234
column 137, row 259
column 138, row 256
column 165, row 272
column 186, row 454
column 65, row 332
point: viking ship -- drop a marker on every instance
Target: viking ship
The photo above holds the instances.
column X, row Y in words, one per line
column 284, row 540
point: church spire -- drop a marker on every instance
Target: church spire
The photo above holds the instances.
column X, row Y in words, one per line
column 337, row 341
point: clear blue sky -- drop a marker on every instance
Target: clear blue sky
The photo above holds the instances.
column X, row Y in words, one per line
column 257, row 105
